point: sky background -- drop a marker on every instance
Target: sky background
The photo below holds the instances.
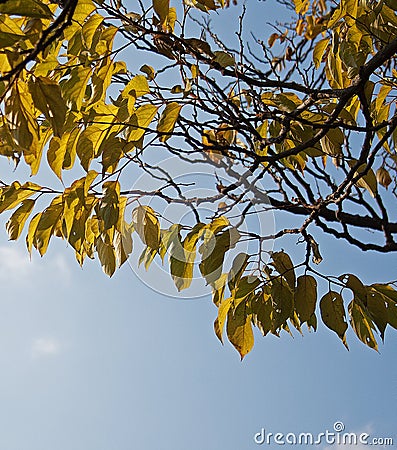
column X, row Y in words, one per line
column 91, row 363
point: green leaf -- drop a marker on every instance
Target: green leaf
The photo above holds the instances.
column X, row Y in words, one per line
column 283, row 264
column 305, row 297
column 245, row 286
column 168, row 120
column 333, row 314
column 283, row 304
column 213, row 254
column 389, row 296
column 239, row 329
column 362, row 324
column 367, row 181
column 263, row 312
column 224, row 59
column 18, row 219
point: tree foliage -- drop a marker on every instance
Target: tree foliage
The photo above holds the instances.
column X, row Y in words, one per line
column 303, row 121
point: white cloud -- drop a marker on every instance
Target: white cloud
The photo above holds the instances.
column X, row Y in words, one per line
column 45, row 347
column 15, row 264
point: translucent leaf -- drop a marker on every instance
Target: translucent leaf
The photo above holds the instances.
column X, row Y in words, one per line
column 106, row 256
column 28, row 8
column 262, row 309
column 168, row 120
column 75, row 87
column 245, row 286
column 108, row 208
column 46, row 225
column 213, row 254
column 18, row 219
column 141, row 120
column 305, row 297
column 219, row 323
column 239, row 329
column 14, row 194
column 48, row 99
column 137, row 87
column 389, row 296
column 367, row 181
column 56, row 155
column 147, row 226
column 283, row 304
column 333, row 314
column 362, row 324
column 318, row 51
column 283, row 264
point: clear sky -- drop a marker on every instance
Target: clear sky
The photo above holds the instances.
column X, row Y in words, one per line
column 91, row 363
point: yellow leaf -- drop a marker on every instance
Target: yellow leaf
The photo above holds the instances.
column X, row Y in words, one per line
column 108, row 209
column 47, row 97
column 89, row 29
column 17, row 221
column 147, row 226
column 318, row 52
column 31, row 231
column 239, row 329
column 28, row 8
column 137, row 87
column 168, row 120
column 75, row 87
column 14, row 194
column 47, row 224
column 106, row 256
column 221, row 319
column 141, row 120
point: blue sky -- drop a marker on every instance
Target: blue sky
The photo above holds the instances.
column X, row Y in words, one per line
column 91, row 363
